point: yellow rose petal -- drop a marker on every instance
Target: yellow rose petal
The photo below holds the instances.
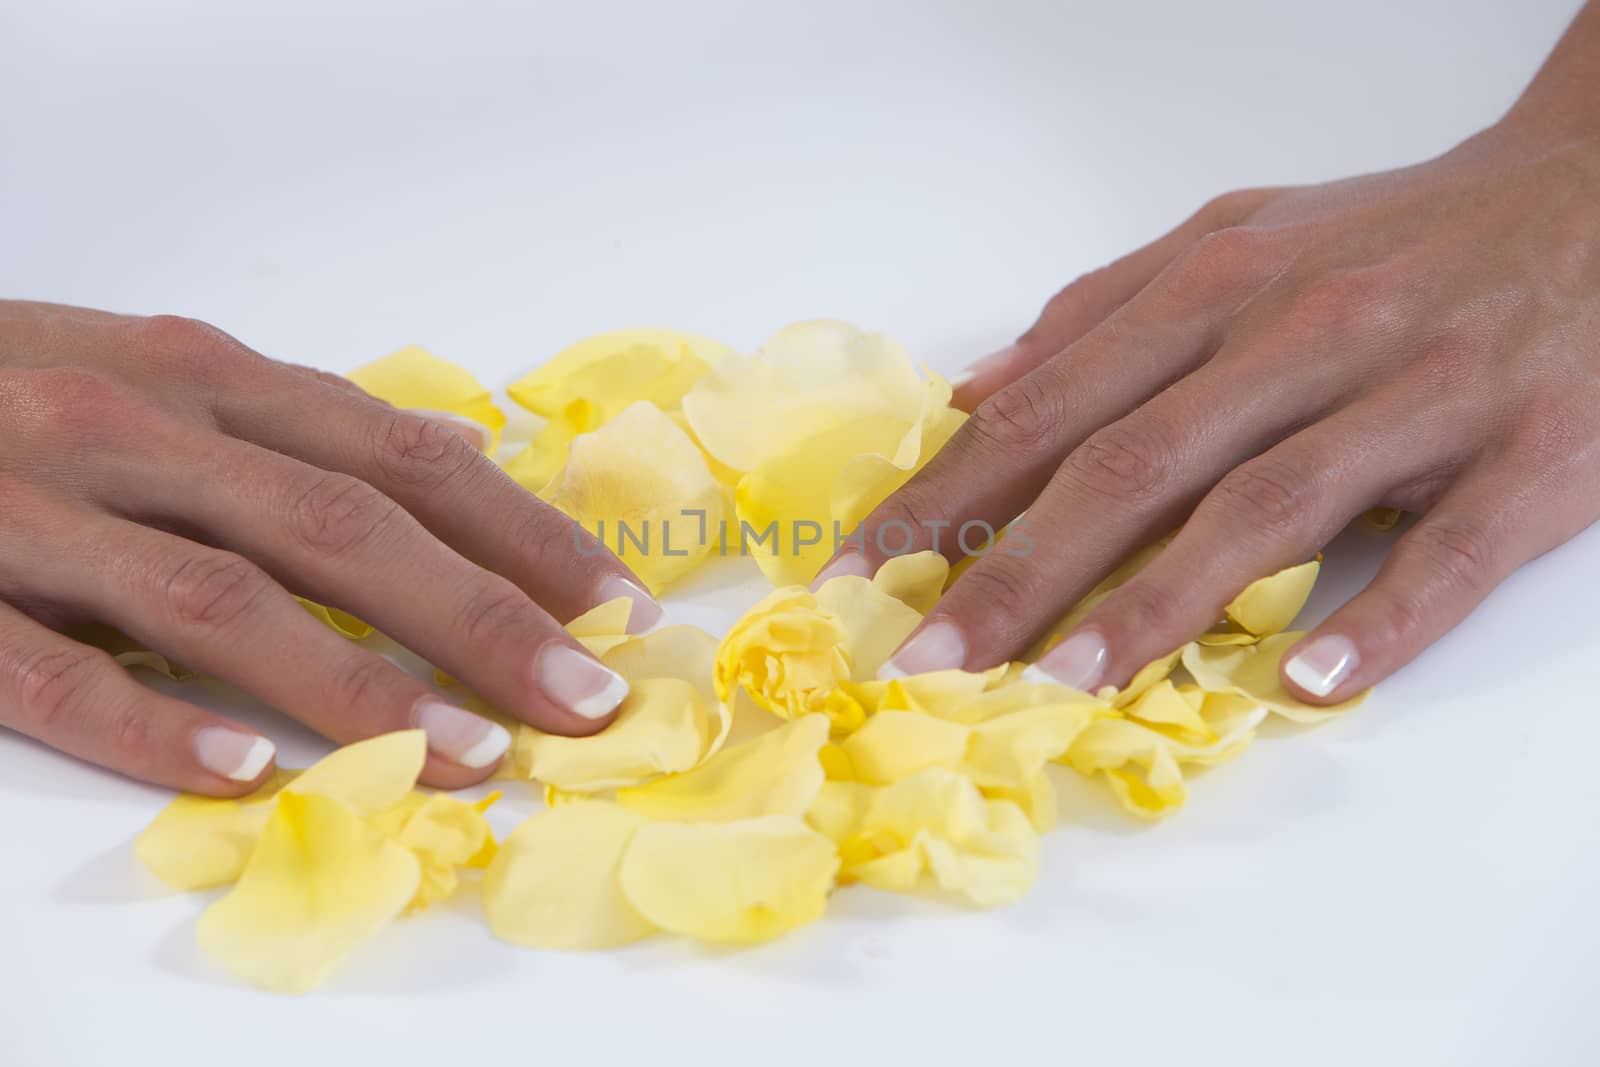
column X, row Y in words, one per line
column 604, row 626
column 340, row 622
column 664, row 725
column 776, row 773
column 1252, row 670
column 744, row 881
column 319, row 883
column 875, row 622
column 787, row 654
column 641, row 486
column 1009, row 752
column 369, row 775
column 444, row 833
column 1269, row 606
column 916, row 580
column 413, row 377
column 613, row 370
column 554, row 883
column 200, row 842
column 892, row 745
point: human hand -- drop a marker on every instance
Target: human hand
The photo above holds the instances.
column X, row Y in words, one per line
column 1426, row 339
column 160, row 477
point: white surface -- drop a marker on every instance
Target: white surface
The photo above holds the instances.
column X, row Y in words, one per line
column 1412, row 884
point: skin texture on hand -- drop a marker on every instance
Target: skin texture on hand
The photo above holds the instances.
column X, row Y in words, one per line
column 158, row 476
column 1426, row 339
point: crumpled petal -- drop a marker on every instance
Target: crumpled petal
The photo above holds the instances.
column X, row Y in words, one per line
column 775, row 773
column 554, row 883
column 1252, row 670
column 664, row 725
column 786, row 653
column 413, row 377
column 319, row 883
column 642, row 488
column 340, row 622
column 604, row 626
column 932, row 832
column 1269, row 605
column 445, row 834
column 893, row 745
column 613, row 370
column 744, row 881
column 201, row 842
column 917, row 579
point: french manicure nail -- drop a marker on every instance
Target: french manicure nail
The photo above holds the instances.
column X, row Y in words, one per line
column 998, row 358
column 1322, row 666
column 474, row 431
column 939, row 647
column 460, row 736
column 1079, row 663
column 646, row 613
column 233, row 754
column 581, row 685
column 850, row 563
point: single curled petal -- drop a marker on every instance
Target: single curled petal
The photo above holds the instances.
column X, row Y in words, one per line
column 370, row 775
column 413, row 377
column 340, row 622
column 642, row 488
column 664, row 725
column 611, row 371
column 744, row 881
column 917, row 579
column 776, row 773
column 1252, row 671
column 893, row 745
column 555, row 881
column 319, row 883
column 1269, row 605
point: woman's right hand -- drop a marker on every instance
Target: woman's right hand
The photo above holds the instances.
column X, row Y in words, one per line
column 159, row 477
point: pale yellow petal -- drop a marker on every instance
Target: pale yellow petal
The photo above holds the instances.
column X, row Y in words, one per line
column 776, row 773
column 1269, row 606
column 369, row 775
column 916, row 579
column 893, row 745
column 613, row 370
column 1252, row 671
column 641, row 486
column 744, row 881
column 319, row 883
column 340, row 622
column 413, row 377
column 554, row 883
column 200, row 842
column 444, row 833
column 875, row 622
column 664, row 725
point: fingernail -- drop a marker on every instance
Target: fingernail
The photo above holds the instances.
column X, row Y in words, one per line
column 1322, row 666
column 852, row 563
column 233, row 754
column 939, row 647
column 1079, row 663
column 580, row 684
column 998, row 358
column 474, row 431
column 460, row 736
column 646, row 613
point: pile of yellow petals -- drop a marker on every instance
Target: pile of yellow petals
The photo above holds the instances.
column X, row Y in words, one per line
column 318, row 860
column 744, row 780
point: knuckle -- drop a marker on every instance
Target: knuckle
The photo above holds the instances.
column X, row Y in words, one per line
column 1341, row 301
column 1144, row 608
column 1461, row 554
column 126, row 732
column 185, row 346
column 332, row 514
column 212, row 590
column 418, row 452
column 1445, row 365
column 1026, row 415
column 902, row 523
column 494, row 607
column 1266, row 496
column 1219, row 261
column 1132, row 458
column 55, row 684
column 992, row 594
column 362, row 681
column 1234, row 206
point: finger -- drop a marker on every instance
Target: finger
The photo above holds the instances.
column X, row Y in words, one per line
column 442, row 479
column 1090, row 300
column 1274, row 511
column 338, row 540
column 220, row 614
column 1488, row 524
column 1027, row 429
column 78, row 700
column 1122, row 489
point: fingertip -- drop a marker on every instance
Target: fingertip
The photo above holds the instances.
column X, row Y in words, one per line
column 1320, row 668
column 848, row 562
column 238, row 757
column 582, row 694
column 646, row 613
column 973, row 385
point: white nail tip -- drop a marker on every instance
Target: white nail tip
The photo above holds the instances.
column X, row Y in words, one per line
column 492, row 746
column 599, row 705
column 1307, row 677
column 889, row 672
column 255, row 760
column 1037, row 675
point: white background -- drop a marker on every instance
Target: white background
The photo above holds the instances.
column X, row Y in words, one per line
column 1412, row 884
